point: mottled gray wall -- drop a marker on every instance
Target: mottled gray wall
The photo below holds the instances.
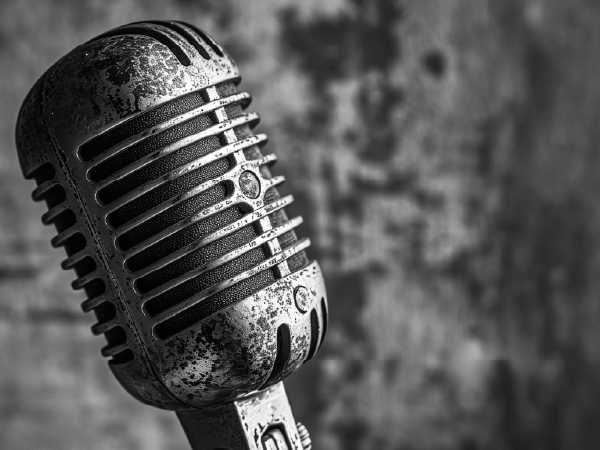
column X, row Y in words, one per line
column 444, row 156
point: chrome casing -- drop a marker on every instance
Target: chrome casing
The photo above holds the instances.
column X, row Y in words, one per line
column 107, row 83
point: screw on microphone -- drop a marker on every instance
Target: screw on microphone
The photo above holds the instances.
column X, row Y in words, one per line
column 142, row 149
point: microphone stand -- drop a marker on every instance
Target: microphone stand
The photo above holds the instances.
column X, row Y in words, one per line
column 261, row 421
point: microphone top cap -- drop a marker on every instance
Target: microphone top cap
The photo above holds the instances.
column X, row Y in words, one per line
column 125, row 72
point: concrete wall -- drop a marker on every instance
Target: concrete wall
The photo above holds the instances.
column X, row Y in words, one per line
column 443, row 154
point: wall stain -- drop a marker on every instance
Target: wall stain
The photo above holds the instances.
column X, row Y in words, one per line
column 360, row 44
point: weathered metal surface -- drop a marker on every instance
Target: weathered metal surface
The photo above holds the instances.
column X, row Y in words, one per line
column 101, row 88
column 234, row 352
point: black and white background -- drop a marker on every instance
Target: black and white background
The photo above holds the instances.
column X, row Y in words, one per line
column 444, row 155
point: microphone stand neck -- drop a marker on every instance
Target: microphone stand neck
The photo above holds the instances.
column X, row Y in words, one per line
column 260, row 421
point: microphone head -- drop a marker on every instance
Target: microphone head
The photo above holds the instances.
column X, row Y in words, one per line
column 140, row 145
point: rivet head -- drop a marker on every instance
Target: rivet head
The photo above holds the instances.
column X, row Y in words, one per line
column 249, row 184
column 302, row 298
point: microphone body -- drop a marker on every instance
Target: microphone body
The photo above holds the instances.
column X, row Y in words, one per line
column 140, row 145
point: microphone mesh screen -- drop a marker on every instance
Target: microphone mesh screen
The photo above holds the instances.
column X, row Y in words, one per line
column 157, row 281
column 158, row 168
column 189, row 262
column 204, row 281
column 161, row 113
column 182, row 238
column 147, row 146
column 169, row 190
column 215, row 303
column 171, row 216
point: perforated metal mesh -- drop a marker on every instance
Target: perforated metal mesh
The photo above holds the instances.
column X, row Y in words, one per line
column 161, row 113
column 180, row 239
column 147, row 146
column 167, row 191
column 173, row 273
column 204, row 281
column 158, row 168
column 215, row 303
column 171, row 216
column 195, row 258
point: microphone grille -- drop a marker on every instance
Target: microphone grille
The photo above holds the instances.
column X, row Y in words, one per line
column 62, row 215
column 141, row 146
column 180, row 205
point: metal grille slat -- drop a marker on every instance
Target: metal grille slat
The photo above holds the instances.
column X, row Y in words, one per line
column 218, row 234
column 260, row 240
column 267, row 264
column 194, row 113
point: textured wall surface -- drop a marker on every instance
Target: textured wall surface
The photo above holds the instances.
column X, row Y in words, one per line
column 443, row 154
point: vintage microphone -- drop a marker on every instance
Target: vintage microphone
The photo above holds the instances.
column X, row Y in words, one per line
column 171, row 219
